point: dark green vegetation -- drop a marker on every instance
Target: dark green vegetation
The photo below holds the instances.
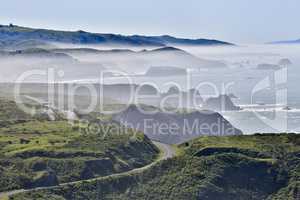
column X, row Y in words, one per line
column 15, row 35
column 36, row 152
column 213, row 168
column 10, row 111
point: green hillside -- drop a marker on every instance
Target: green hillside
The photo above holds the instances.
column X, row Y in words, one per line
column 213, row 168
column 36, row 152
column 14, row 35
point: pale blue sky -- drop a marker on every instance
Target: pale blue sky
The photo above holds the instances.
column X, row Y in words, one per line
column 240, row 21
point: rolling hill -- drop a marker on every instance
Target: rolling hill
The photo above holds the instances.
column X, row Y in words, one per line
column 36, row 152
column 257, row 167
column 13, row 34
column 140, row 61
column 286, row 42
column 174, row 128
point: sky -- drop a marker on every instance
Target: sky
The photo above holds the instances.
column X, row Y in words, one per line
column 238, row 21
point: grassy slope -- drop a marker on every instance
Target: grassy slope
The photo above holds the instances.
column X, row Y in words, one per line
column 40, row 153
column 213, row 168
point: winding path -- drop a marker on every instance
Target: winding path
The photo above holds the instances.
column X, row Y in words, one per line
column 167, row 152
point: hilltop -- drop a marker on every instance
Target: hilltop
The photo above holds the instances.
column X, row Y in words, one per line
column 140, row 60
column 13, row 35
column 174, row 128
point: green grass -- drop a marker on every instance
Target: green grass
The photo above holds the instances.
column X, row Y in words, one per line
column 259, row 142
column 10, row 111
column 40, row 135
column 35, row 147
column 234, row 167
column 36, row 152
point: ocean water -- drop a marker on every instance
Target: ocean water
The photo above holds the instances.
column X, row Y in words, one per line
column 263, row 94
